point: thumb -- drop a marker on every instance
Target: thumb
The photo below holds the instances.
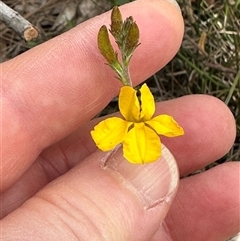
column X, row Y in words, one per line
column 103, row 198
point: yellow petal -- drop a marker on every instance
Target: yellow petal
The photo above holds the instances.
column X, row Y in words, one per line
column 129, row 104
column 141, row 145
column 147, row 103
column 165, row 125
column 109, row 133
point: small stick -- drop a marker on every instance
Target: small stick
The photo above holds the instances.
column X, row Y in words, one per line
column 19, row 24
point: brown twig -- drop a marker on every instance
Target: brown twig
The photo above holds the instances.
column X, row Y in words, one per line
column 19, row 24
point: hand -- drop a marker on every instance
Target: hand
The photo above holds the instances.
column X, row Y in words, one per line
column 54, row 186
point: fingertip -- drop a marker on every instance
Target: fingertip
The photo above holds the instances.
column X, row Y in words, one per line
column 59, row 85
column 209, row 128
column 98, row 200
column 211, row 197
column 163, row 28
column 217, row 122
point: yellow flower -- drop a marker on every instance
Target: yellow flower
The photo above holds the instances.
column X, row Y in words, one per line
column 138, row 131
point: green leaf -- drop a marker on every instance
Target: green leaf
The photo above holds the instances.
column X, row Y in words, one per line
column 116, row 23
column 105, row 46
column 132, row 37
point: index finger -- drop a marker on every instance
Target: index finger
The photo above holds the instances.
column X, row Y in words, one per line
column 52, row 89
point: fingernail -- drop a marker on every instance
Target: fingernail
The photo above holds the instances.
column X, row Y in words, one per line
column 153, row 183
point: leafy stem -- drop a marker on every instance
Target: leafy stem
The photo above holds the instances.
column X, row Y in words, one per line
column 126, row 35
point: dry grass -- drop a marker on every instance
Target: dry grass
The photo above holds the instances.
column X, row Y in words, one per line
column 51, row 17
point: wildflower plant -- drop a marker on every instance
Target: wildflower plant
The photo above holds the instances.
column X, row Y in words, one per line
column 138, row 131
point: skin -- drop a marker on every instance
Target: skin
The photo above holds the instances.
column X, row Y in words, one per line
column 50, row 163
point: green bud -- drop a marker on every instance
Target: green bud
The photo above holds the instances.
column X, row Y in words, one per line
column 126, row 34
column 105, row 46
column 132, row 37
column 116, row 23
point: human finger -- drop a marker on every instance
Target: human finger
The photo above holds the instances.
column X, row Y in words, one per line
column 198, row 114
column 52, row 89
column 102, row 198
column 206, row 207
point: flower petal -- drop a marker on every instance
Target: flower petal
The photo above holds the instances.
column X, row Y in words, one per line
column 109, row 133
column 147, row 103
column 165, row 125
column 141, row 145
column 129, row 104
